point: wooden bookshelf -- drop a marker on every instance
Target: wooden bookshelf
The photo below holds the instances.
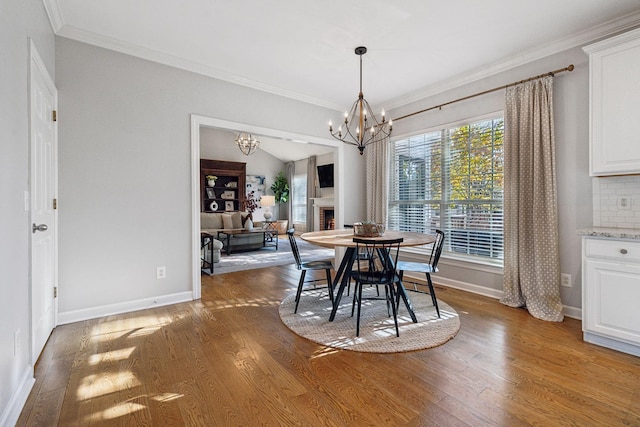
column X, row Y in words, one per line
column 229, row 188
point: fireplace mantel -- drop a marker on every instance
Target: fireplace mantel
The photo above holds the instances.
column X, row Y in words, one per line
column 323, row 201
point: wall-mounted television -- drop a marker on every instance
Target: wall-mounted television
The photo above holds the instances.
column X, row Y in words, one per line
column 325, row 175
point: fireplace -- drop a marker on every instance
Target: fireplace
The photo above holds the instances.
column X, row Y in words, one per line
column 323, row 214
column 327, row 219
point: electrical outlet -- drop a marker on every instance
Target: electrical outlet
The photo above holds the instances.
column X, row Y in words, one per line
column 161, row 273
column 624, row 202
column 565, row 280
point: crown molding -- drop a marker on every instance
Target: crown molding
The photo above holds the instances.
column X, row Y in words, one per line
column 54, row 12
column 605, row 29
column 74, row 33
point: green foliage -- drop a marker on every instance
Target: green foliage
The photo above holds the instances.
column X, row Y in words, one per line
column 476, row 161
column 280, row 188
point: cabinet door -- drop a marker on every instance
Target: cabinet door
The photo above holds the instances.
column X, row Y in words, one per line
column 612, row 295
column 615, row 105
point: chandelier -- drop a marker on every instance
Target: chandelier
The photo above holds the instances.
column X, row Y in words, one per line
column 361, row 128
column 247, row 143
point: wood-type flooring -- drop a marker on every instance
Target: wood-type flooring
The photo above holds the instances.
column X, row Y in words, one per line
column 227, row 359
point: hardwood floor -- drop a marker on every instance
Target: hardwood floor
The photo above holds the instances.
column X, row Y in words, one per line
column 228, row 360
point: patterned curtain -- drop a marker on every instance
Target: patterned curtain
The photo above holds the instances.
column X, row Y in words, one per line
column 311, row 190
column 377, row 158
column 531, row 254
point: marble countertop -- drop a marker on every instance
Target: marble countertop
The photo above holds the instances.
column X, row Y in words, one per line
column 613, row 233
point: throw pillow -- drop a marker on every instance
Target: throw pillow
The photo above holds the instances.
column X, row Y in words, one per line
column 227, row 221
column 236, row 218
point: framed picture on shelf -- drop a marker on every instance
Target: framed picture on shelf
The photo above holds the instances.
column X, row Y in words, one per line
column 210, row 193
column 228, row 206
column 228, row 194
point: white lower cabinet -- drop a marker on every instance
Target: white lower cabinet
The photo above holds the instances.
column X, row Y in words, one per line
column 611, row 293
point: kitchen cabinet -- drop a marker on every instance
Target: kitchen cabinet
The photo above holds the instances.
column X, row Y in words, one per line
column 611, row 293
column 614, row 105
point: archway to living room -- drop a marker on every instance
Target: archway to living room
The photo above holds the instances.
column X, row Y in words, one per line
column 200, row 122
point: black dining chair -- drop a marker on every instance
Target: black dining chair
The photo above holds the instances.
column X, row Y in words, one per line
column 376, row 267
column 325, row 265
column 428, row 268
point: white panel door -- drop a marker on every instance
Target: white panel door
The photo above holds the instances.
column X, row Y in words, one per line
column 43, row 183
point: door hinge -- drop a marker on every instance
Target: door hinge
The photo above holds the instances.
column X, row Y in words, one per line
column 54, row 115
column 55, row 292
column 55, row 204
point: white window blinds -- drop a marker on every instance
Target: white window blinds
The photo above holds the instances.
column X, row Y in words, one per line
column 452, row 180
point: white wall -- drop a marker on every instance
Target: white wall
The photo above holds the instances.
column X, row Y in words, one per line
column 355, row 201
column 19, row 21
column 217, row 144
column 571, row 114
column 125, row 198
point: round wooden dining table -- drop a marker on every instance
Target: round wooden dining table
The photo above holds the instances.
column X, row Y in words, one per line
column 344, row 238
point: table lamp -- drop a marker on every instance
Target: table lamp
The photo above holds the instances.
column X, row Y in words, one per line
column 266, row 202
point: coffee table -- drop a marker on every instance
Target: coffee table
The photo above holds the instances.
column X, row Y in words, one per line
column 269, row 237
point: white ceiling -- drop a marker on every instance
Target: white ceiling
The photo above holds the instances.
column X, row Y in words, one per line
column 305, row 49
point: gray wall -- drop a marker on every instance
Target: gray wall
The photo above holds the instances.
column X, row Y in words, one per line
column 19, row 21
column 125, row 202
column 571, row 115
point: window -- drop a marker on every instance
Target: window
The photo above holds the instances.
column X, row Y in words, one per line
column 452, row 179
column 299, row 199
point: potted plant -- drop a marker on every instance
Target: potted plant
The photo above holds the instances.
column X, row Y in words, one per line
column 280, row 188
column 211, row 180
column 250, row 205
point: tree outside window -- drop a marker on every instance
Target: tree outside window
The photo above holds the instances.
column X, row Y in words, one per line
column 452, row 179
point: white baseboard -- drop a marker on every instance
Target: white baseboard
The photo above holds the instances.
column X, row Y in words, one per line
column 456, row 284
column 573, row 312
column 123, row 307
column 12, row 411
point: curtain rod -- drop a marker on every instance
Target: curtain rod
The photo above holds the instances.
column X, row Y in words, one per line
column 550, row 73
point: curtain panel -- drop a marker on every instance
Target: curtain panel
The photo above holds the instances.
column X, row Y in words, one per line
column 377, row 166
column 311, row 190
column 531, row 252
column 290, row 169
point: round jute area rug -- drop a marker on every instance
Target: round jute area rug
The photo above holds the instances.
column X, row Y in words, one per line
column 377, row 330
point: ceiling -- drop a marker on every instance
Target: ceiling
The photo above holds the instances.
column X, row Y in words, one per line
column 305, row 49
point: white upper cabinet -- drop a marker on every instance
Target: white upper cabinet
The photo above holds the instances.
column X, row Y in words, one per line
column 614, row 105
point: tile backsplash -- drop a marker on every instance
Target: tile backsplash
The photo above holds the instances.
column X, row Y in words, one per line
column 610, row 194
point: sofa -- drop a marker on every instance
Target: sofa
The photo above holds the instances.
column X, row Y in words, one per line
column 214, row 222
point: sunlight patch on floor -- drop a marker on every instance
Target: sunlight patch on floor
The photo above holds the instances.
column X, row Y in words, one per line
column 167, row 397
column 119, row 410
column 93, row 386
column 111, row 356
